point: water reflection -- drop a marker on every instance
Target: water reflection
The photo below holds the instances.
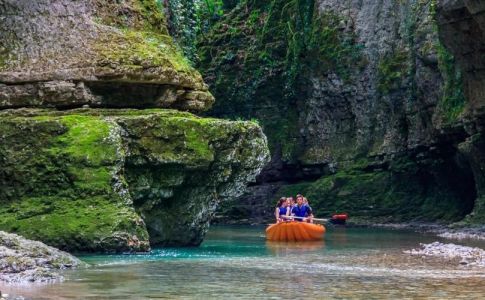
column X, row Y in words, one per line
column 291, row 248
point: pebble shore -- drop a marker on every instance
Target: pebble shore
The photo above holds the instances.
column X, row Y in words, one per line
column 467, row 256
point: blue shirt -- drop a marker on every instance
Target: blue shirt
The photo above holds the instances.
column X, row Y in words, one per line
column 301, row 211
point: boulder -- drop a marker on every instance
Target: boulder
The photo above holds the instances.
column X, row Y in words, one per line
column 120, row 180
column 24, row 260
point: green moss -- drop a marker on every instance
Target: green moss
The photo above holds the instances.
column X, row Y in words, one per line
column 144, row 15
column 69, row 177
column 69, row 223
column 60, row 184
column 87, row 140
column 135, row 49
column 152, row 12
column 256, row 57
column 391, row 71
column 452, row 101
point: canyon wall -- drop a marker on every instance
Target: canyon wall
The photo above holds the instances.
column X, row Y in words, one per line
column 363, row 103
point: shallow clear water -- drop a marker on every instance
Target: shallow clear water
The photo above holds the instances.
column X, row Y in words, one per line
column 237, row 262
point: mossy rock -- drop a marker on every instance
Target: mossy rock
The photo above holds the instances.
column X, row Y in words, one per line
column 120, row 180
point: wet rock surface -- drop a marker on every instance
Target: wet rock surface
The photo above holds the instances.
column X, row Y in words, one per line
column 23, row 260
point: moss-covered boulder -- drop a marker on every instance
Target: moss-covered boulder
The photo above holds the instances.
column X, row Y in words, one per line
column 61, row 53
column 120, row 180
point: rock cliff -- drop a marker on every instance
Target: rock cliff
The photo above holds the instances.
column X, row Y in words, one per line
column 108, row 177
column 462, row 30
column 363, row 103
column 65, row 54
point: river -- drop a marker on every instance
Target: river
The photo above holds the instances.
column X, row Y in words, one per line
column 237, row 262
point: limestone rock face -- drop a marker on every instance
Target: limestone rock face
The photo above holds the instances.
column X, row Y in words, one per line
column 462, row 30
column 120, row 180
column 23, row 260
column 367, row 97
column 64, row 54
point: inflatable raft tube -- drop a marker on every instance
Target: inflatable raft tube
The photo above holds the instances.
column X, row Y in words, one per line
column 294, row 232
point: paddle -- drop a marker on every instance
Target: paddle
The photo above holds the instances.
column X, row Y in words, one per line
column 301, row 218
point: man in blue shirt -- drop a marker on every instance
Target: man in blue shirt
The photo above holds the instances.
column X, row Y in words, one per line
column 301, row 210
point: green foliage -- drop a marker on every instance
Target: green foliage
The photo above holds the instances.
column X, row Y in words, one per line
column 391, row 71
column 452, row 101
column 191, row 18
column 257, row 56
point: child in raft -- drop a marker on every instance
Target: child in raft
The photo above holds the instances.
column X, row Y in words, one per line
column 282, row 210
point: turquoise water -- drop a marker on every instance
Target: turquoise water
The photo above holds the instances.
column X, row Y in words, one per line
column 237, row 262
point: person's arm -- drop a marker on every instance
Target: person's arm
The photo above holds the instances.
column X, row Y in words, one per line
column 277, row 214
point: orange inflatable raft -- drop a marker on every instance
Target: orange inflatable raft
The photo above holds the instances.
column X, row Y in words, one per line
column 294, row 232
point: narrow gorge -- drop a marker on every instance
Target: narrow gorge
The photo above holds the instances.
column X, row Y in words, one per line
column 151, row 149
column 370, row 107
column 111, row 139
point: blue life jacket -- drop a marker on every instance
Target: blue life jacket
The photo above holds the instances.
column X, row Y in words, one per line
column 301, row 212
column 283, row 211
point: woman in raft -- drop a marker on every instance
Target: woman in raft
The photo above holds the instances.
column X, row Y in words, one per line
column 282, row 210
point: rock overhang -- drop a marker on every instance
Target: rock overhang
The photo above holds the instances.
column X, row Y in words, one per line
column 65, row 55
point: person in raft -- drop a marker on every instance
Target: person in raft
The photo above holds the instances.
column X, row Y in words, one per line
column 290, row 202
column 302, row 211
column 282, row 210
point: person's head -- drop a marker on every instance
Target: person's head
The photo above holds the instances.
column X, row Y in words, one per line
column 288, row 202
column 292, row 201
column 299, row 199
column 281, row 202
column 305, row 200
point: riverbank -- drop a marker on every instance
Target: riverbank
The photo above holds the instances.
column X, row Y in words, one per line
column 455, row 231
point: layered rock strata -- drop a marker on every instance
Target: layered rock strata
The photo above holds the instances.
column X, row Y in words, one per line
column 105, row 177
column 65, row 54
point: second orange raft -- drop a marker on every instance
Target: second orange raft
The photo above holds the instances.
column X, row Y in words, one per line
column 294, row 232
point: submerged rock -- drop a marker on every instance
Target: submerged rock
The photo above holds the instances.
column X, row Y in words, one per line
column 471, row 256
column 23, row 260
column 120, row 180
